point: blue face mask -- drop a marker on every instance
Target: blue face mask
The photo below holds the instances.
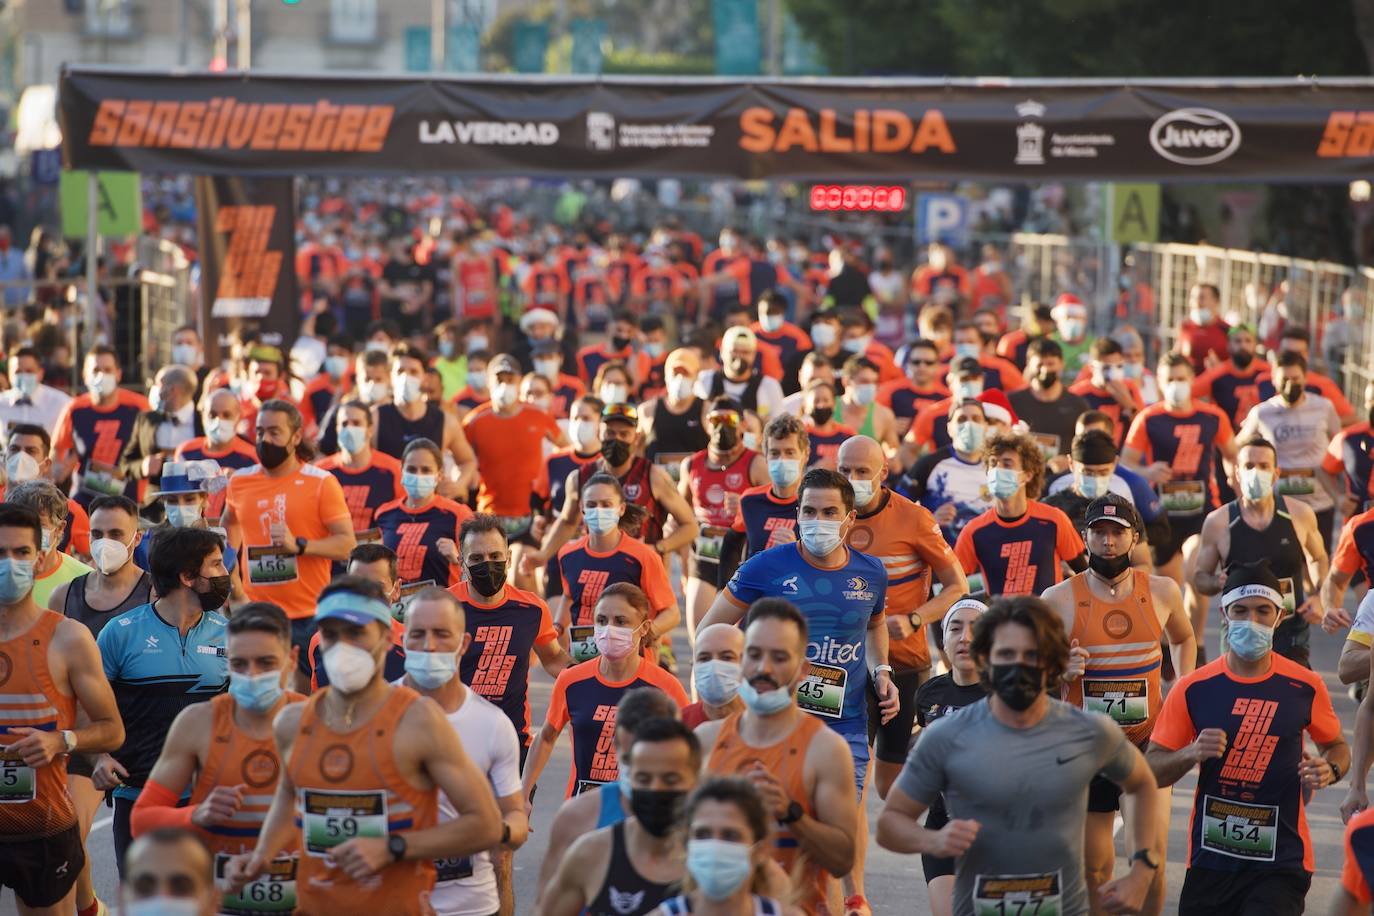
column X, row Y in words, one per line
column 447, row 348
column 784, row 471
column 717, row 681
column 431, row 670
column 336, row 366
column 769, row 703
column 967, row 349
column 601, row 520
column 718, row 867
column 968, row 436
column 352, row 439
column 1003, row 482
column 1092, row 485
column 1250, row 640
column 255, row 693
column 16, row 579
column 420, row 486
column 623, row 780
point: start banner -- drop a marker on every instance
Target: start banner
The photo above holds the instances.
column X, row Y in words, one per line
column 803, row 129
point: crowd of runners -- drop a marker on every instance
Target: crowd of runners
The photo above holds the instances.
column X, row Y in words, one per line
column 282, row 613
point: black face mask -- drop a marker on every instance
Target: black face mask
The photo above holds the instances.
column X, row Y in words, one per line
column 1047, row 378
column 822, row 415
column 724, row 438
column 1109, row 568
column 487, row 577
column 214, row 599
column 739, row 365
column 656, row 809
column 615, row 451
column 271, row 455
column 1291, row 391
column 1242, row 360
column 619, row 343
column 1017, row 685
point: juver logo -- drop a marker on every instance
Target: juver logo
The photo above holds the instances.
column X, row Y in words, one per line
column 1195, row 136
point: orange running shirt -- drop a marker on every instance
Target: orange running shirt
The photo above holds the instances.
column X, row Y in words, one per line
column 236, row 759
column 785, row 761
column 348, row 785
column 1124, row 656
column 306, row 502
column 905, row 537
column 1359, row 857
column 33, row 802
column 509, row 455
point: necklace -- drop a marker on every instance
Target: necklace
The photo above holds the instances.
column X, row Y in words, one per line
column 1112, row 585
column 347, row 716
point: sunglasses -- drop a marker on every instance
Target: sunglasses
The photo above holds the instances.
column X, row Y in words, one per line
column 620, row 412
column 723, row 419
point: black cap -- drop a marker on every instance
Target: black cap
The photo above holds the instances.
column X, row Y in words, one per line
column 967, row 365
column 1112, row 508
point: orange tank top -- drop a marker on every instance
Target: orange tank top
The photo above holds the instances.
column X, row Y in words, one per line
column 33, row 802
column 348, row 785
column 236, row 759
column 1124, row 657
column 785, row 761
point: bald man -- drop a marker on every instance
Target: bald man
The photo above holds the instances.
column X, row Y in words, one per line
column 906, row 539
column 715, row 674
column 158, row 431
column 167, row 869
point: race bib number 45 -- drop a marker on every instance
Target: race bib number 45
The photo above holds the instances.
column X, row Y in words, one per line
column 1018, row 895
column 333, row 818
column 822, row 693
column 1239, row 830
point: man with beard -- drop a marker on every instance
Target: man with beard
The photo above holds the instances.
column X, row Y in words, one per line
column 738, row 376
column 1032, row 849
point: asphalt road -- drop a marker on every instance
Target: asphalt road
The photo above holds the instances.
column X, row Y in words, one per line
column 894, row 883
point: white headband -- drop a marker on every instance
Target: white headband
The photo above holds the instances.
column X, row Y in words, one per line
column 1251, row 591
column 959, row 605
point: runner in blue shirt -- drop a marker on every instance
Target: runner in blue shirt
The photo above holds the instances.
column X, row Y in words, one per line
column 162, row 657
column 842, row 592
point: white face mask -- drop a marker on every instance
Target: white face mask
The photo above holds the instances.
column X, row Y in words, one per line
column 823, row 335
column 680, row 387
column 109, row 555
column 349, row 667
column 407, row 388
column 613, row 393
column 162, row 906
column 548, row 368
column 186, row 355
column 183, row 516
column 1177, row 394
column 373, row 392
column 101, row 384
column 218, row 430
column 21, row 466
column 819, row 536
column 585, row 435
column 504, row 394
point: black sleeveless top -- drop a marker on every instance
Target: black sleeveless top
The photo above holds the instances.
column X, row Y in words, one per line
column 749, row 397
column 395, row 432
column 671, row 433
column 625, row 892
column 76, row 608
column 1280, row 544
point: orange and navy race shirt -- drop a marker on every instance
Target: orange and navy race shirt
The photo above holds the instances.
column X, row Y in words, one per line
column 496, row 664
column 239, row 453
column 930, row 429
column 509, row 454
column 1101, row 399
column 413, row 534
column 1352, row 453
column 906, row 400
column 789, row 340
column 368, row 489
column 584, row 697
column 1359, row 857
column 825, row 446
column 551, row 486
column 1188, row 442
column 1023, row 556
column 1234, row 391
column 761, row 515
column 586, row 573
column 98, row 435
column 568, row 389
column 1248, row 808
column 908, row 542
column 1355, row 549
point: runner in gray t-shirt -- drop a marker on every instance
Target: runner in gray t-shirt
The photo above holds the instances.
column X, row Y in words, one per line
column 1014, row 771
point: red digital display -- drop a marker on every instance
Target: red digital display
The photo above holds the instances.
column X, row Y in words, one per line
column 857, row 197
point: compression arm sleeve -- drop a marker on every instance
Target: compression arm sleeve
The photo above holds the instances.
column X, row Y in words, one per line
column 156, row 807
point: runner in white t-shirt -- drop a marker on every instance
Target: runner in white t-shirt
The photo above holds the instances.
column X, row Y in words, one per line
column 435, row 640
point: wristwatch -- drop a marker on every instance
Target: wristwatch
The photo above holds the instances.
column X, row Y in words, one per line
column 505, row 832
column 1335, row 770
column 69, row 739
column 396, row 845
column 793, row 813
column 300, row 546
column 914, row 619
column 1146, row 856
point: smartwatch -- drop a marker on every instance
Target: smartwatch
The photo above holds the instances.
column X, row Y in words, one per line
column 396, row 845
column 300, row 546
column 1150, row 860
column 793, row 813
column 879, row 669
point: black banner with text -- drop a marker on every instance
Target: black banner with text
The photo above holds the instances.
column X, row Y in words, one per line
column 264, row 124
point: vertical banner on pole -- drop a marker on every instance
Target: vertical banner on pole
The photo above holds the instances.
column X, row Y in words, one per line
column 531, row 43
column 737, row 37
column 587, row 36
column 417, row 40
column 800, row 55
column 464, row 48
column 248, row 259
